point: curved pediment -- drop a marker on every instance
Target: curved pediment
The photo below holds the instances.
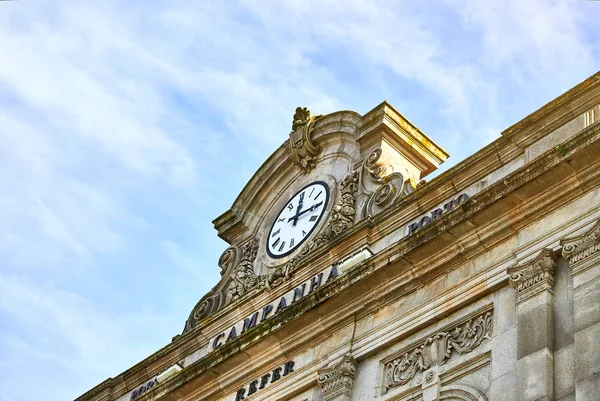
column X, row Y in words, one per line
column 320, row 139
column 363, row 163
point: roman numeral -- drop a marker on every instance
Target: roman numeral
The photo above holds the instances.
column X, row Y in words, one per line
column 314, row 217
column 290, row 206
column 319, row 194
column 281, row 219
column 281, row 246
column 291, row 243
column 276, row 242
column 303, row 233
column 275, row 233
column 311, row 192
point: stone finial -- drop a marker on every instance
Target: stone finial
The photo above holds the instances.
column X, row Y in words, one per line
column 301, row 117
column 337, row 382
column 530, row 278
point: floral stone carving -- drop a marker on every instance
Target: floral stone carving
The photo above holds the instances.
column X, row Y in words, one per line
column 437, row 350
column 243, row 278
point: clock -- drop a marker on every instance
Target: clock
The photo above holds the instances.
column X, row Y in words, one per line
column 297, row 219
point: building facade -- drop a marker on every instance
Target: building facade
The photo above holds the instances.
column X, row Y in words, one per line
column 350, row 277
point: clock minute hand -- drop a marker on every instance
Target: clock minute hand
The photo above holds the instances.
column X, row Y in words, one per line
column 310, row 209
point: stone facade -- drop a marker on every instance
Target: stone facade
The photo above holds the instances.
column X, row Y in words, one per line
column 481, row 284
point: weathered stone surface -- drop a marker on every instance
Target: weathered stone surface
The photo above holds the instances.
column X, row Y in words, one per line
column 535, row 378
column 587, row 350
column 504, row 353
column 535, row 331
column 504, row 388
column 587, row 305
column 588, row 388
column 477, row 304
column 563, row 306
column 564, row 372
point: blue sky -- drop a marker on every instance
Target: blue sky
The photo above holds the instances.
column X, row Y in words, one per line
column 127, row 127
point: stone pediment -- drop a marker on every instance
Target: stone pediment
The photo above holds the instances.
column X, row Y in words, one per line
column 363, row 164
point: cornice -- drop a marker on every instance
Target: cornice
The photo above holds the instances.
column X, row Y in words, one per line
column 521, row 178
column 452, row 182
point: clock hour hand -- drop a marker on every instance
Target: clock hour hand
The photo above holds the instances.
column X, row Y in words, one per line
column 310, row 209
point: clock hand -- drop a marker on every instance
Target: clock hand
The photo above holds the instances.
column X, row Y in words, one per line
column 310, row 209
column 300, row 203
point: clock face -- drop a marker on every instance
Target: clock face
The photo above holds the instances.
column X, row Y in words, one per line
column 297, row 220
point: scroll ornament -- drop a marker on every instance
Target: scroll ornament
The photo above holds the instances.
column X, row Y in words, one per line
column 384, row 182
column 342, row 218
column 527, row 279
column 437, row 350
column 582, row 247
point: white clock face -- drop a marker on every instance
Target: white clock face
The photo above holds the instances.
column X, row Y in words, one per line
column 297, row 220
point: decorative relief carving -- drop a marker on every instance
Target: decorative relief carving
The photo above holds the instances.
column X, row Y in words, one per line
column 303, row 150
column 582, row 247
column 530, row 278
column 238, row 278
column 228, row 260
column 338, row 381
column 344, row 212
column 437, row 350
column 377, row 167
column 243, row 278
column 342, row 217
column 383, row 184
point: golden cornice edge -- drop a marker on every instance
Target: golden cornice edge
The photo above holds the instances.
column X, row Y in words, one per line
column 554, row 105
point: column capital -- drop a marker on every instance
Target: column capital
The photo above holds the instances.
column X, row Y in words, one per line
column 532, row 277
column 582, row 249
column 336, row 382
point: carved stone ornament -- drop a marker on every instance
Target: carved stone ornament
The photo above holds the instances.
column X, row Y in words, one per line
column 437, row 350
column 580, row 251
column 303, row 150
column 383, row 183
column 337, row 382
column 342, row 218
column 237, row 279
column 243, row 279
column 530, row 278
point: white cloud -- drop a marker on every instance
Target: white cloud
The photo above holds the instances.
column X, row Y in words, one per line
column 125, row 128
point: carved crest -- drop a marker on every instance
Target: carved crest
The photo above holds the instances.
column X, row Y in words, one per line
column 437, row 350
column 303, row 150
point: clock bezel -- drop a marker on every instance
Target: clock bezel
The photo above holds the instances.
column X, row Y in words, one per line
column 297, row 246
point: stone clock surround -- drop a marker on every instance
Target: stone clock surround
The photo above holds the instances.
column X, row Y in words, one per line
column 418, row 286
